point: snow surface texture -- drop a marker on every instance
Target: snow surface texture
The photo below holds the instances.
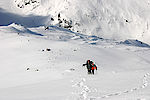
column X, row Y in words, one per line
column 39, row 64
column 43, row 44
column 117, row 19
column 85, row 90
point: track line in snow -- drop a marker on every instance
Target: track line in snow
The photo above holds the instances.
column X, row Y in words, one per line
column 144, row 85
column 84, row 90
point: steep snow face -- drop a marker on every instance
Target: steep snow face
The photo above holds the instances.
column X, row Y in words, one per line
column 117, row 19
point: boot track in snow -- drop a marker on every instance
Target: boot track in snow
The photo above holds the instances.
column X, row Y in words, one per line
column 85, row 90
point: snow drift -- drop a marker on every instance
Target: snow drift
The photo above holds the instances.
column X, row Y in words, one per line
column 117, row 19
column 41, row 57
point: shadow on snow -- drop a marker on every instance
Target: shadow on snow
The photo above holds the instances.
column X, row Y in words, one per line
column 7, row 18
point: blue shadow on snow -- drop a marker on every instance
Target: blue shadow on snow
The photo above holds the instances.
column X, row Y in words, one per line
column 7, row 18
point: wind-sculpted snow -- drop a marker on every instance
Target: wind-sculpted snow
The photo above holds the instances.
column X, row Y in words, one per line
column 123, row 19
column 111, row 19
column 137, row 43
column 50, row 60
column 20, row 30
column 44, row 44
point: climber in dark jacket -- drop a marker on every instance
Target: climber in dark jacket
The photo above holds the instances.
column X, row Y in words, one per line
column 90, row 66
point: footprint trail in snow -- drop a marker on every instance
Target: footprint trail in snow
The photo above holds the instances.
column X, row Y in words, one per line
column 84, row 90
column 144, row 85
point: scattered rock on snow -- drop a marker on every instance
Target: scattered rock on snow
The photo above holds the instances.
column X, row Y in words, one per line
column 72, row 69
column 28, row 68
column 48, row 49
column 37, row 70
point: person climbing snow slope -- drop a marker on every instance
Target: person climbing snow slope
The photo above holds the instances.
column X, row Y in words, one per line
column 90, row 66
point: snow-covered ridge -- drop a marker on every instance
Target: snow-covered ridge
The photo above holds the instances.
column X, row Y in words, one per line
column 135, row 43
column 61, row 34
column 117, row 19
column 43, row 48
column 111, row 19
column 50, row 59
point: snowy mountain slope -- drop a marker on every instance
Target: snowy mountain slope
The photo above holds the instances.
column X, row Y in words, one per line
column 119, row 19
column 43, row 44
column 29, row 71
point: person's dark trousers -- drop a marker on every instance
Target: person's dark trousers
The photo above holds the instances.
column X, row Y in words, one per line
column 89, row 71
column 92, row 71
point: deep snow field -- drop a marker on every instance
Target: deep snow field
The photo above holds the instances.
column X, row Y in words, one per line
column 39, row 64
column 123, row 71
